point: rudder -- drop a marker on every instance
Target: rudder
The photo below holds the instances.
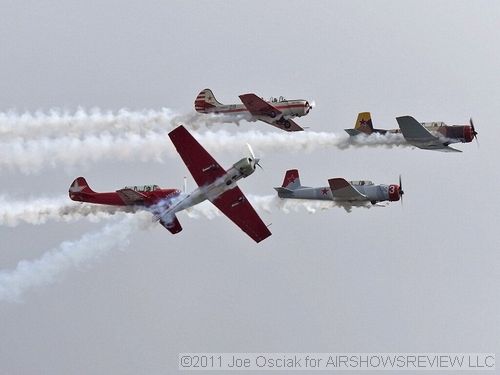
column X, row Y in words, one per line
column 205, row 100
column 364, row 123
column 291, row 180
column 80, row 185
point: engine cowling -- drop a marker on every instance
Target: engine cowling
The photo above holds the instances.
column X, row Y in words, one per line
column 394, row 193
column 468, row 134
column 245, row 166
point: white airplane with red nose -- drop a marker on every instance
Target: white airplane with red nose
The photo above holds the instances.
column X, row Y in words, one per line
column 341, row 191
column 277, row 112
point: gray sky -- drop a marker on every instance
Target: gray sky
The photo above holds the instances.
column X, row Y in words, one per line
column 421, row 278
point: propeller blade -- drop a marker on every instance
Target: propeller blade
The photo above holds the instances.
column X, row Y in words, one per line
column 251, row 151
column 474, row 132
column 401, row 191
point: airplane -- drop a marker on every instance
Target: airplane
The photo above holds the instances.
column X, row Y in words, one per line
column 276, row 112
column 215, row 184
column 343, row 192
column 427, row 135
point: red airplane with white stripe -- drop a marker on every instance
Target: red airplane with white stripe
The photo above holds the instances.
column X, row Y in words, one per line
column 215, row 184
column 276, row 112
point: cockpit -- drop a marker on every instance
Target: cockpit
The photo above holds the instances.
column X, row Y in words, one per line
column 143, row 188
column 434, row 124
column 277, row 100
column 361, row 183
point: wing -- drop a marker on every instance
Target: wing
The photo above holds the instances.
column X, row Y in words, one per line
column 131, row 197
column 287, row 125
column 259, row 107
column 446, row 149
column 236, row 207
column 416, row 134
column 413, row 131
column 344, row 190
column 200, row 163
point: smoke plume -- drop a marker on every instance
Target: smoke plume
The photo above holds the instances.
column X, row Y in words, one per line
column 52, row 265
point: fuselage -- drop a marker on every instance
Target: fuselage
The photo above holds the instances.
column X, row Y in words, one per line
column 288, row 108
column 243, row 168
column 449, row 133
column 153, row 196
column 373, row 193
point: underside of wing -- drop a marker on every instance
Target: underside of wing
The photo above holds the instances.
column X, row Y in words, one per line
column 342, row 189
column 438, row 147
column 131, row 197
column 236, row 207
column 259, row 107
column 283, row 124
column 200, row 163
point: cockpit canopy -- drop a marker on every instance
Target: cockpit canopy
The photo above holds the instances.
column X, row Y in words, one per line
column 434, row 124
column 361, row 183
column 143, row 188
column 277, row 100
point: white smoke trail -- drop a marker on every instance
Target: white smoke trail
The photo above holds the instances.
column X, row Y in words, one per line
column 40, row 210
column 56, row 123
column 270, row 203
column 45, row 270
column 60, row 209
column 33, row 155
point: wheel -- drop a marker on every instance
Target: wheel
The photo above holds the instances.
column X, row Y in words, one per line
column 272, row 114
column 287, row 124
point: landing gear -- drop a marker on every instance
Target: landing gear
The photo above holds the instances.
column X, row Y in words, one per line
column 285, row 123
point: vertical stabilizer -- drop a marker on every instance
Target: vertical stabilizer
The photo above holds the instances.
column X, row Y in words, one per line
column 364, row 123
column 291, row 180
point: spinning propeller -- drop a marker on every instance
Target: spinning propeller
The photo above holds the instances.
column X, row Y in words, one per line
column 254, row 159
column 401, row 191
column 474, row 132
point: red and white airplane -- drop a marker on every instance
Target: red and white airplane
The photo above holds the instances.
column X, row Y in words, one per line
column 215, row 184
column 276, row 112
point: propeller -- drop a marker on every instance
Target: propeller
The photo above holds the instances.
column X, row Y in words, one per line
column 254, row 159
column 474, row 132
column 401, row 191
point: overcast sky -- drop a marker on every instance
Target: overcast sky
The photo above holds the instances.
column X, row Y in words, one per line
column 421, row 278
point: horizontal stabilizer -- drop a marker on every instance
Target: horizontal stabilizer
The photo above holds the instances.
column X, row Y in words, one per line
column 353, row 132
column 283, row 192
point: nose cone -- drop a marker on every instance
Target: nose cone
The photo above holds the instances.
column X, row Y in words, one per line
column 394, row 194
column 468, row 134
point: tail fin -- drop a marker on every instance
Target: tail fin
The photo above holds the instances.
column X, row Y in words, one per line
column 205, row 100
column 171, row 223
column 78, row 187
column 364, row 123
column 291, row 180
